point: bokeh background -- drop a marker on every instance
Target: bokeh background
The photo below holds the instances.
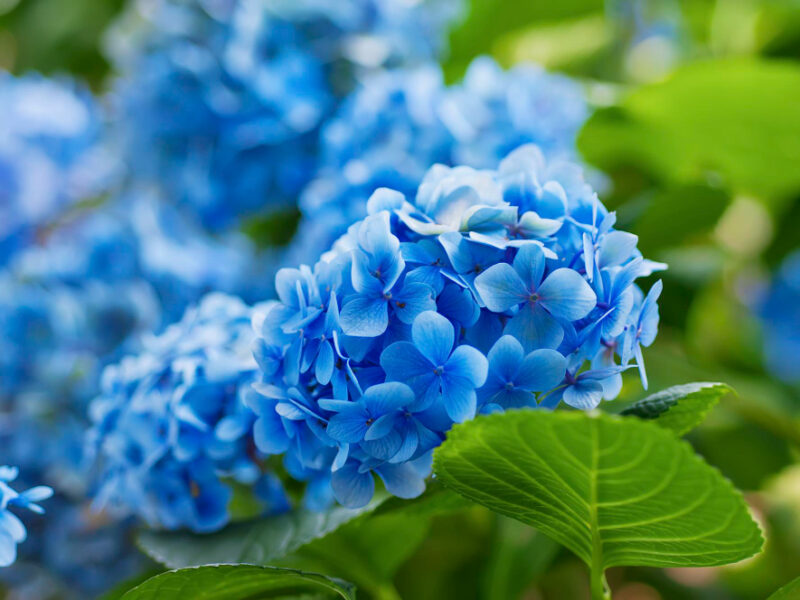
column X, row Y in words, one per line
column 694, row 139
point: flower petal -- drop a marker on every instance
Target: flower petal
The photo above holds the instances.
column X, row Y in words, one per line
column 584, row 395
column 505, row 357
column 501, row 287
column 469, row 363
column 364, row 316
column 535, row 328
column 433, row 335
column 386, row 397
column 402, row 480
column 459, row 399
column 566, row 295
column 529, row 265
column 541, row 370
column 351, row 488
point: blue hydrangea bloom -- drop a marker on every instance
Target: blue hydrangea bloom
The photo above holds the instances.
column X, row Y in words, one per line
column 220, row 103
column 398, row 123
column 50, row 155
column 171, row 422
column 780, row 318
column 487, row 290
column 12, row 531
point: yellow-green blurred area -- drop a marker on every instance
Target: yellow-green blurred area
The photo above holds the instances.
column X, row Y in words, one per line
column 695, row 142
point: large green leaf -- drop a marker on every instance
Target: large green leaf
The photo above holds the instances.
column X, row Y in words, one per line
column 254, row 542
column 616, row 491
column 366, row 551
column 734, row 117
column 791, row 591
column 237, row 582
column 681, row 407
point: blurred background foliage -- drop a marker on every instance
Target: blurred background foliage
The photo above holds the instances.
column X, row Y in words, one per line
column 695, row 139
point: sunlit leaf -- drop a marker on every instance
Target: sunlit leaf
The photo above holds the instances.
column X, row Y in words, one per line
column 616, row 491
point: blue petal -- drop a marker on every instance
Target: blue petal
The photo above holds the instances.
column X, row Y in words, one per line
column 433, row 336
column 616, row 248
column 364, row 316
column 529, row 265
column 382, row 426
column 402, row 362
column 385, row 447
column 349, row 426
column 270, row 435
column 469, row 363
column 412, row 300
column 386, row 397
column 541, row 370
column 535, row 328
column 402, row 480
column 351, row 488
column 566, row 295
column 323, row 369
column 584, row 395
column 459, row 399
column 505, row 358
column 501, row 288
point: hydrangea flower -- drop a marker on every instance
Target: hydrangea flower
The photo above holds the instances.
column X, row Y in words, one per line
column 50, row 155
column 399, row 123
column 171, row 422
column 487, row 290
column 780, row 318
column 12, row 531
column 219, row 103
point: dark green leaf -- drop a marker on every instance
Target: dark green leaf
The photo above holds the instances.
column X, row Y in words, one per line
column 236, row 582
column 616, row 491
column 791, row 591
column 664, row 222
column 681, row 407
column 254, row 542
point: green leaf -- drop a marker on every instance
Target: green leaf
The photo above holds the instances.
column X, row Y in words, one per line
column 236, row 582
column 616, row 491
column 664, row 223
column 791, row 591
column 254, row 542
column 733, row 117
column 367, row 551
column 679, row 408
column 519, row 557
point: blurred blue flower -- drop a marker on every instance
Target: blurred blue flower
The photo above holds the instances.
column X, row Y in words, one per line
column 12, row 531
column 219, row 104
column 780, row 318
column 399, row 123
column 171, row 422
column 50, row 155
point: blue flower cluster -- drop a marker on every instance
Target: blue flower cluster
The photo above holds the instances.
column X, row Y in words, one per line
column 12, row 531
column 171, row 422
column 780, row 316
column 220, row 102
column 50, row 156
column 399, row 123
column 489, row 289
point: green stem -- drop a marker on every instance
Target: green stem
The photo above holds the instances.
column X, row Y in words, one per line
column 386, row 592
column 599, row 586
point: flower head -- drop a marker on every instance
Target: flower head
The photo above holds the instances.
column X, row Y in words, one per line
column 471, row 296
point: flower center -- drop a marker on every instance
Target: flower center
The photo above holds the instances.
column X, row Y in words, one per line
column 438, row 370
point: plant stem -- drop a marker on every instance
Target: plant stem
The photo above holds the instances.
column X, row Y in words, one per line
column 599, row 586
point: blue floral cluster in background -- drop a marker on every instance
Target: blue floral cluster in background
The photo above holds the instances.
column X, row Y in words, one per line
column 489, row 289
column 397, row 124
column 171, row 422
column 50, row 155
column 780, row 315
column 219, row 103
